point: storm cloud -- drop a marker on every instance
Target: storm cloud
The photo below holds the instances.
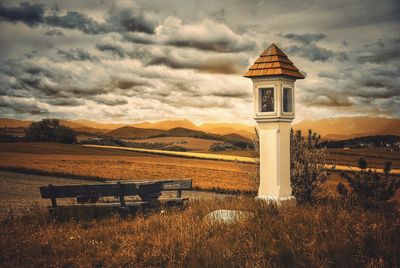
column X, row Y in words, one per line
column 308, row 48
column 30, row 14
column 127, row 61
column 306, row 38
column 117, row 19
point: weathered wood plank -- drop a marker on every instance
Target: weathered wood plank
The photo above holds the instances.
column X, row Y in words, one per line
column 89, row 190
column 177, row 185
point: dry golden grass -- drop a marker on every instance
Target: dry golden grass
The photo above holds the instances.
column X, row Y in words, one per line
column 325, row 235
column 116, row 164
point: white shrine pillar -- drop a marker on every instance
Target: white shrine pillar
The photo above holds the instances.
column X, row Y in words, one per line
column 273, row 76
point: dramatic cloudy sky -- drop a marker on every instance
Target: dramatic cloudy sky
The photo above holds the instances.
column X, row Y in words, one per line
column 131, row 61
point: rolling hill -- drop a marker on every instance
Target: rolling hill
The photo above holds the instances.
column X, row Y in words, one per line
column 134, row 132
column 91, row 130
column 13, row 123
column 350, row 127
column 227, row 128
column 168, row 124
column 97, row 125
column 232, row 138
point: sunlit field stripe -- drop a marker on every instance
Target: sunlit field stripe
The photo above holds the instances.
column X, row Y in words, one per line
column 220, row 157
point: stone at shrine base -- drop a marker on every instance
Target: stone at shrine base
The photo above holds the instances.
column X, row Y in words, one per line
column 289, row 200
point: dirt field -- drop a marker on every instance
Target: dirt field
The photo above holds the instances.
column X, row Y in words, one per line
column 117, row 164
column 21, row 191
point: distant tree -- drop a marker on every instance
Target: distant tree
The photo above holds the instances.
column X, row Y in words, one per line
column 308, row 170
column 222, row 147
column 50, row 130
column 362, row 163
column 369, row 188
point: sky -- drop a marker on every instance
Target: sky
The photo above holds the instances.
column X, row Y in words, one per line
column 134, row 61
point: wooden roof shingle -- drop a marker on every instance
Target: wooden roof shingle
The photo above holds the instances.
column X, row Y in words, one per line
column 273, row 62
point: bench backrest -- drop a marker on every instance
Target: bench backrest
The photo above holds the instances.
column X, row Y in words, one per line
column 127, row 188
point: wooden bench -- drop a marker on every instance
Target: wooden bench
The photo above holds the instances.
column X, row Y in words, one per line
column 148, row 191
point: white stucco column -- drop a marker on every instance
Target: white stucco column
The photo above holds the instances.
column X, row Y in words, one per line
column 275, row 162
column 273, row 76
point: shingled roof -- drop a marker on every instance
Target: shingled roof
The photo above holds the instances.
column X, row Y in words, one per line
column 273, row 62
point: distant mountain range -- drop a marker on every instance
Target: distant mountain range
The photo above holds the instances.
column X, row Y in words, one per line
column 331, row 128
column 349, row 127
column 135, row 132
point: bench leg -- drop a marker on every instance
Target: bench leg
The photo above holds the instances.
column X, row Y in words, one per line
column 178, row 193
column 121, row 195
column 53, row 202
column 52, row 197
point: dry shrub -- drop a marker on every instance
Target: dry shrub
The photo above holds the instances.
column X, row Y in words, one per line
column 369, row 188
column 253, row 172
column 327, row 235
column 307, row 166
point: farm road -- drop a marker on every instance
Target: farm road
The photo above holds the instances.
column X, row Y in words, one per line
column 19, row 191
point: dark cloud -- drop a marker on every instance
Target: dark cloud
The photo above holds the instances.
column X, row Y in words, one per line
column 75, row 20
column 217, row 65
column 225, row 63
column 381, row 51
column 110, row 101
column 234, row 94
column 127, row 19
column 311, row 52
column 306, row 38
column 76, row 54
column 117, row 20
column 359, row 85
column 64, row 102
column 20, row 106
column 115, row 49
column 30, row 14
column 125, row 83
column 54, row 32
column 217, row 45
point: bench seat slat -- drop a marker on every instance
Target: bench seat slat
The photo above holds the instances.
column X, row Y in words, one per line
column 75, row 190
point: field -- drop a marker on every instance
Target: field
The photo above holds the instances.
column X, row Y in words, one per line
column 93, row 163
column 376, row 157
column 83, row 162
column 189, row 143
